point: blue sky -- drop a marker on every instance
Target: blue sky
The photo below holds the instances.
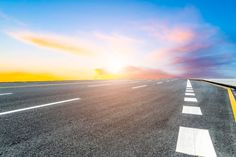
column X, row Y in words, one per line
column 220, row 14
column 176, row 38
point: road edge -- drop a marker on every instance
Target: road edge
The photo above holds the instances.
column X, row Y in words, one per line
column 229, row 91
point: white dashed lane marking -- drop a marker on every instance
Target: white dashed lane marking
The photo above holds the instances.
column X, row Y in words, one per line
column 189, row 90
column 139, row 86
column 1, row 94
column 195, row 142
column 188, row 84
column 159, row 82
column 190, row 94
column 38, row 106
column 190, row 99
column 192, row 110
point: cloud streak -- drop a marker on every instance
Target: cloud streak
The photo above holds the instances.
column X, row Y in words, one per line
column 51, row 41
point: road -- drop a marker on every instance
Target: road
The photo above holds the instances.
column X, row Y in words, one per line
column 173, row 117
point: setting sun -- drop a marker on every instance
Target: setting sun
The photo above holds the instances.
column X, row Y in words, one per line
column 115, row 64
column 115, row 67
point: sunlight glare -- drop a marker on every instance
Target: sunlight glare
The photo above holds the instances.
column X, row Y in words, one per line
column 115, row 65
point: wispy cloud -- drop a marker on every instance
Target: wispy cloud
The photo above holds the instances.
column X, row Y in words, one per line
column 51, row 41
column 96, row 43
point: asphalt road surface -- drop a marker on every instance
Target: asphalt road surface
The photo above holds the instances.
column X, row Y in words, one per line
column 116, row 118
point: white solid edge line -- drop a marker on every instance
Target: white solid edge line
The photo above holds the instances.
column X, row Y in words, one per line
column 194, row 141
column 190, row 94
column 190, row 99
column 38, row 106
column 5, row 94
column 136, row 87
column 192, row 110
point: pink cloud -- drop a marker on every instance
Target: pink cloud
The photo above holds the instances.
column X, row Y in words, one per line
column 175, row 35
column 183, row 44
column 179, row 35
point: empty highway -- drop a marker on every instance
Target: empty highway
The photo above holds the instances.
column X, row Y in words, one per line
column 168, row 117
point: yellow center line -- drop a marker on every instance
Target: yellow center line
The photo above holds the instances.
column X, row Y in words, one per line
column 232, row 102
column 231, row 98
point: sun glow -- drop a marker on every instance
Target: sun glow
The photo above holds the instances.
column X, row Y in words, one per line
column 115, row 65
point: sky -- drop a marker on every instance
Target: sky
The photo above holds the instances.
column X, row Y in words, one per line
column 127, row 39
